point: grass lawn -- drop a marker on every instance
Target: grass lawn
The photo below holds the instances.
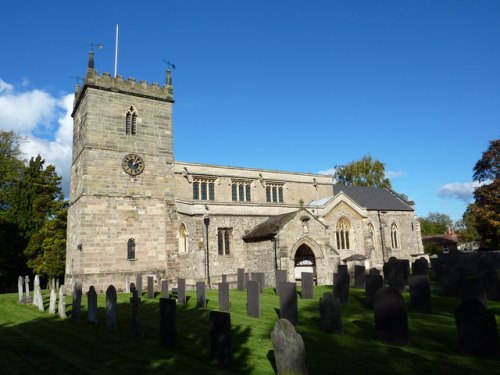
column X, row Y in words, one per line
column 35, row 342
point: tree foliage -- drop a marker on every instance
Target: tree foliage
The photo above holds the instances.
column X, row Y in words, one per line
column 367, row 172
column 435, row 223
column 11, row 166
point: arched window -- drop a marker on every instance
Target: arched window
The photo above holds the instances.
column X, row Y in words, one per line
column 371, row 231
column 342, row 232
column 131, row 249
column 394, row 236
column 131, row 121
column 182, row 239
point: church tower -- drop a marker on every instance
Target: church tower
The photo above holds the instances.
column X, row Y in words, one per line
column 122, row 207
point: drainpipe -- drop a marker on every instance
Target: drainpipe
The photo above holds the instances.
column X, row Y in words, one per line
column 206, row 220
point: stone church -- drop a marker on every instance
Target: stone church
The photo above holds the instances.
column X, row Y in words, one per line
column 135, row 210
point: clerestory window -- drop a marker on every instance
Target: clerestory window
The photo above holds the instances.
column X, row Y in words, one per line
column 203, row 189
column 241, row 191
column 274, row 193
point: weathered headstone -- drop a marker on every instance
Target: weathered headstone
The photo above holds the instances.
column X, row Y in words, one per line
column 20, row 282
column 372, row 284
column 341, row 287
column 168, row 323
column 62, row 303
column 289, row 350
column 57, row 284
column 92, row 305
column 164, row 289
column 201, row 301
column 280, row 277
column 394, row 274
column 223, row 297
column 391, row 317
column 420, row 267
column 477, row 329
column 240, row 279
column 307, row 285
column 181, row 291
column 127, row 284
column 111, row 308
column 77, row 301
column 342, row 268
column 260, row 278
column 151, row 287
column 138, row 285
column 224, row 278
column 359, row 276
column 472, row 287
column 253, row 299
column 330, row 314
column 374, row 271
column 27, row 298
column 420, row 294
column 135, row 324
column 53, row 301
column 288, row 302
column 37, row 294
column 220, row 337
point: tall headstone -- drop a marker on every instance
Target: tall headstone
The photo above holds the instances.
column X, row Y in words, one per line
column 405, row 269
column 181, row 291
column 253, row 299
column 135, row 324
column 359, row 276
column 111, row 308
column 341, row 287
column 280, row 277
column 77, row 301
column 201, row 301
column 477, row 329
column 27, row 298
column 330, row 314
column 138, row 285
column 220, row 337
column 342, row 268
column 240, row 279
column 127, row 284
column 151, row 287
column 260, row 278
column 168, row 323
column 20, row 282
column 372, row 284
column 164, row 289
column 62, row 303
column 53, row 301
column 420, row 267
column 224, row 278
column 394, row 274
column 307, row 285
column 246, row 279
column 92, row 305
column 391, row 317
column 37, row 294
column 288, row 302
column 223, row 297
column 420, row 294
column 289, row 350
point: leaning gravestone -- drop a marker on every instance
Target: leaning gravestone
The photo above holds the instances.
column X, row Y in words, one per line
column 138, row 285
column 280, row 277
column 288, row 302
column 111, row 308
column 289, row 351
column 391, row 317
column 77, row 301
column 420, row 294
column 92, row 305
column 201, row 301
column 477, row 329
column 181, row 291
column 420, row 267
column 223, row 297
column 164, row 289
column 27, row 298
column 359, row 276
column 253, row 299
column 62, row 303
column 330, row 314
column 341, row 287
column 135, row 324
column 307, row 289
column 220, row 337
column 240, row 279
column 372, row 284
column 151, row 288
column 472, row 287
column 53, row 301
column 168, row 323
column 20, row 282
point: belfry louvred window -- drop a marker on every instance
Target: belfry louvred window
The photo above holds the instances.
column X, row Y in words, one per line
column 131, row 121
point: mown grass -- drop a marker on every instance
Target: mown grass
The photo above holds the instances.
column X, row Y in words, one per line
column 35, row 342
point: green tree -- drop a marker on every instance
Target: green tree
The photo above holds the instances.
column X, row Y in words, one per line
column 466, row 228
column 11, row 166
column 367, row 172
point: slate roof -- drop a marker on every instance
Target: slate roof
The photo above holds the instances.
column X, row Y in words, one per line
column 269, row 228
column 373, row 198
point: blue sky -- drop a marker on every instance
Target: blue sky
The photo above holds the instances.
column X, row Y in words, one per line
column 288, row 85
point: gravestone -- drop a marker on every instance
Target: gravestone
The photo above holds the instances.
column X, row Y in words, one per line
column 164, row 289
column 288, row 302
column 20, row 282
column 127, row 284
column 374, row 271
column 111, row 308
column 420, row 267
column 77, row 301
column 57, row 284
column 220, row 337
column 27, row 298
column 450, row 280
column 132, row 288
column 253, row 299
column 330, row 314
column 181, row 291
column 246, row 279
column 135, row 324
column 372, row 284
column 491, row 284
column 420, row 294
column 92, row 305
column 477, row 329
column 151, row 287
column 405, row 268
column 37, row 294
column 62, row 303
column 241, row 279
column 289, row 351
column 138, row 285
column 342, row 269
column 307, row 288
column 341, row 287
column 394, row 274
column 223, row 297
column 53, row 301
column 359, row 276
column 391, row 317
column 224, row 278
column 472, row 287
column 168, row 323
column 280, row 277
column 201, row 301
column 260, row 278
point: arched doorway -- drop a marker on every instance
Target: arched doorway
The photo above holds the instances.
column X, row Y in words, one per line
column 304, row 261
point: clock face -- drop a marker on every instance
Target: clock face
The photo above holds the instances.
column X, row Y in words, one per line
column 133, row 164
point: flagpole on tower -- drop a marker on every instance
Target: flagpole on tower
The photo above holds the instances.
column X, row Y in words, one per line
column 116, row 50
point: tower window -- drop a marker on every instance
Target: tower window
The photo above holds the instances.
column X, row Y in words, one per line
column 131, row 121
column 240, row 191
column 131, row 249
column 224, row 239
column 274, row 193
column 204, row 189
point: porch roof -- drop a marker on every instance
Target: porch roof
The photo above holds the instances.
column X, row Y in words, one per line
column 269, row 228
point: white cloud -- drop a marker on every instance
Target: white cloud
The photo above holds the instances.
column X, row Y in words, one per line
column 4, row 86
column 458, row 190
column 393, row 174
column 329, row 172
